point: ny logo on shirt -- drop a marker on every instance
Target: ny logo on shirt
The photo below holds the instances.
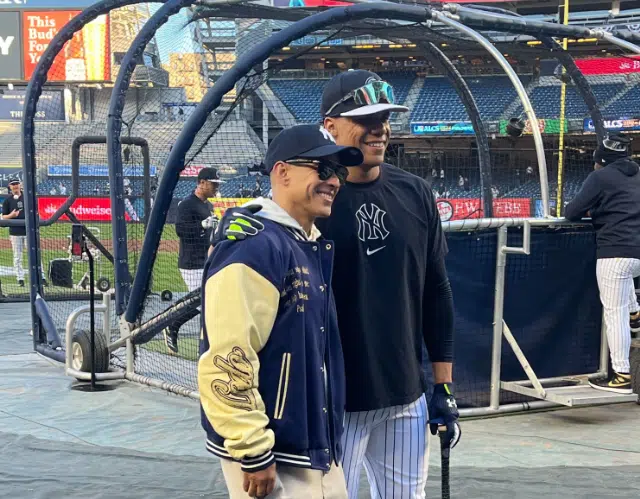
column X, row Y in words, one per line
column 371, row 222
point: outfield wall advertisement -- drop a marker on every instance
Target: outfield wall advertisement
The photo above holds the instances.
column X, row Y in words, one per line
column 98, row 209
column 609, row 65
column 220, row 205
column 465, row 208
column 442, row 128
column 544, row 125
column 50, row 106
column 86, row 57
column 98, row 171
column 45, row 4
column 615, row 125
column 25, row 35
column 85, row 209
column 10, row 54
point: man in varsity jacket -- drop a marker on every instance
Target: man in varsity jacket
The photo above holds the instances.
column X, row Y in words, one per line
column 392, row 296
column 271, row 371
column 610, row 195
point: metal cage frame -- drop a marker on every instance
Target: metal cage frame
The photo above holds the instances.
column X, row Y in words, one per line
column 129, row 300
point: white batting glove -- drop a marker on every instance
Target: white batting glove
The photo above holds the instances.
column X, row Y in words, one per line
column 210, row 222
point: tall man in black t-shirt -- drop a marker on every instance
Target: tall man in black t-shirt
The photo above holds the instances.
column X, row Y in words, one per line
column 194, row 223
column 392, row 296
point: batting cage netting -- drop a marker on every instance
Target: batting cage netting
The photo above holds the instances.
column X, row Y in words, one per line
column 212, row 85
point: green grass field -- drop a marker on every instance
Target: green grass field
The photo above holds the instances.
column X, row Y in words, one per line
column 188, row 348
column 165, row 276
column 62, row 230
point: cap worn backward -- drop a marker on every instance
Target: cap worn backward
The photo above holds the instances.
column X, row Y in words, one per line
column 340, row 85
column 309, row 142
column 613, row 147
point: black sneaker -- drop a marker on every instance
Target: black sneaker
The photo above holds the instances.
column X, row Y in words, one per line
column 171, row 339
column 21, row 283
column 616, row 382
column 634, row 322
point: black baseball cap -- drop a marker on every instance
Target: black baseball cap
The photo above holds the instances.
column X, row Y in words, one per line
column 210, row 174
column 338, row 87
column 309, row 142
column 14, row 181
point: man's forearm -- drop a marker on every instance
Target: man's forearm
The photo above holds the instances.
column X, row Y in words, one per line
column 442, row 372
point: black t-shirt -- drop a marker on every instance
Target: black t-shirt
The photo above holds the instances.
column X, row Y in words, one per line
column 384, row 231
column 194, row 240
column 10, row 204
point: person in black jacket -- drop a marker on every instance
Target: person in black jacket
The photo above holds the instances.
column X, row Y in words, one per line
column 13, row 209
column 610, row 195
column 195, row 222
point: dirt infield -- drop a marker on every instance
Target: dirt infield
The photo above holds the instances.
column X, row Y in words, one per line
column 62, row 244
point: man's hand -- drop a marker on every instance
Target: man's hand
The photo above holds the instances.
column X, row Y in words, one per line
column 13, row 214
column 238, row 223
column 443, row 411
column 260, row 483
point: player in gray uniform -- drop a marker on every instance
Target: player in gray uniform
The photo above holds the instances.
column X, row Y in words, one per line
column 392, row 295
column 610, row 195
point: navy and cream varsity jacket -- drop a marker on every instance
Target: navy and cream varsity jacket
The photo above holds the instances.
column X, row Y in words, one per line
column 271, row 372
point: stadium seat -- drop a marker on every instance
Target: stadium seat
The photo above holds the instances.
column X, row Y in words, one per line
column 545, row 99
column 302, row 97
column 439, row 101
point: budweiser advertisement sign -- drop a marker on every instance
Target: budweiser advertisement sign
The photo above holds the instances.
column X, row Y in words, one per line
column 609, row 65
column 86, row 209
column 465, row 208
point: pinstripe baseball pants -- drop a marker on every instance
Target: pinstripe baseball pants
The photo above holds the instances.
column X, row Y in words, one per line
column 618, row 297
column 192, row 278
column 393, row 445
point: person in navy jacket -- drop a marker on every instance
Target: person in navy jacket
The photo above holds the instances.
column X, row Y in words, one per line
column 271, row 369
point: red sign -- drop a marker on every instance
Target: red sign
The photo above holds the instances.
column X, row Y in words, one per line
column 191, row 170
column 609, row 65
column 512, row 208
column 86, row 209
column 86, row 57
column 466, row 208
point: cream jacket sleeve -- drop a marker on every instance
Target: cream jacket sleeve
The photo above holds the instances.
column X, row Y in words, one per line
column 239, row 312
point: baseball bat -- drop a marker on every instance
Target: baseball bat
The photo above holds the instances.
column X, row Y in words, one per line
column 444, row 462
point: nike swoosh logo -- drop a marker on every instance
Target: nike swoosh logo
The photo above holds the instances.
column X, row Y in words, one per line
column 371, row 252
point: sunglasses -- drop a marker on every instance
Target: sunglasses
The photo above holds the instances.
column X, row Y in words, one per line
column 374, row 92
column 326, row 169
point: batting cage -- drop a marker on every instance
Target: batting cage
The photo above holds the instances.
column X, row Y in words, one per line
column 229, row 77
